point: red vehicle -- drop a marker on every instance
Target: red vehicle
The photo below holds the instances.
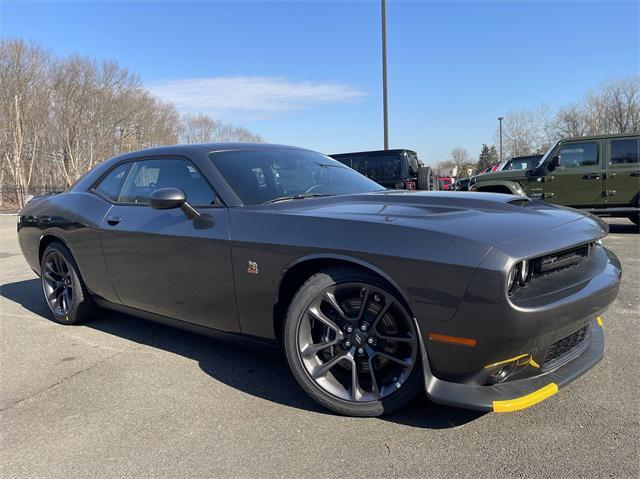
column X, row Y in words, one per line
column 445, row 182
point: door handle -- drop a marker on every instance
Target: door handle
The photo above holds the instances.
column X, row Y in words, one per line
column 114, row 220
column 591, row 176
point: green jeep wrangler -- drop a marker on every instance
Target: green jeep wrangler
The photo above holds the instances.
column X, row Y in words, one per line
column 600, row 174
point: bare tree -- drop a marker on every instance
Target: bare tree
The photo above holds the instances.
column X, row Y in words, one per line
column 528, row 131
column 100, row 109
column 612, row 108
column 202, row 128
column 23, row 109
column 459, row 158
column 622, row 104
column 61, row 116
column 571, row 121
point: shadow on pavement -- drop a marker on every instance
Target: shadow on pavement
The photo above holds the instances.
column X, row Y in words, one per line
column 624, row 228
column 257, row 372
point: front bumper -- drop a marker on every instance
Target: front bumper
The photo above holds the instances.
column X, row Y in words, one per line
column 520, row 394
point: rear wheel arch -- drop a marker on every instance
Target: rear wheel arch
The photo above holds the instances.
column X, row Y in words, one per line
column 46, row 240
column 49, row 238
column 296, row 274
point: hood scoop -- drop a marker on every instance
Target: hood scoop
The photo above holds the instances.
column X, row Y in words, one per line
column 524, row 201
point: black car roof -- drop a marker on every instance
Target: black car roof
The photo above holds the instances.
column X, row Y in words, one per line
column 193, row 151
column 372, row 153
column 204, row 148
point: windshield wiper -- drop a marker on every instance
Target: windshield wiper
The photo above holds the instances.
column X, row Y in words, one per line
column 325, row 165
column 294, row 197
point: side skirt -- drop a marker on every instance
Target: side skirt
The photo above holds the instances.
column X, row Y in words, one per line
column 235, row 338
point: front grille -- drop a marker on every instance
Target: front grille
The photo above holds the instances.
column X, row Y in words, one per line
column 561, row 260
column 565, row 346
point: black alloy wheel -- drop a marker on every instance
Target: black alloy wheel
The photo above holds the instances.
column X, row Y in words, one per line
column 356, row 346
column 57, row 283
column 63, row 288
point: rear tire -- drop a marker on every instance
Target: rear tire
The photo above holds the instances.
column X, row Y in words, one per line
column 64, row 291
column 425, row 178
column 354, row 360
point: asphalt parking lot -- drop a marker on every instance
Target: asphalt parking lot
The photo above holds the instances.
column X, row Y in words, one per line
column 123, row 397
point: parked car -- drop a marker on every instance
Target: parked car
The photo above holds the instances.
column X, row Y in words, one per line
column 394, row 169
column 600, row 174
column 461, row 184
column 445, row 182
column 374, row 295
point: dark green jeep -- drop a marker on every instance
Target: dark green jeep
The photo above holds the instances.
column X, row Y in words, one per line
column 600, row 174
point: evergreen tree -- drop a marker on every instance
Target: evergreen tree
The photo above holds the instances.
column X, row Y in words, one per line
column 488, row 157
column 493, row 155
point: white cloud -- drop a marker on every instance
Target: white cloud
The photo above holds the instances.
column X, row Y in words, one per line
column 249, row 98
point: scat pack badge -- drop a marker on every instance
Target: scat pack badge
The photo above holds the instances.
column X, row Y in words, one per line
column 253, row 267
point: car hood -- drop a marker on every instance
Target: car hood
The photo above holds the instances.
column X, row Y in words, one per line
column 510, row 175
column 489, row 218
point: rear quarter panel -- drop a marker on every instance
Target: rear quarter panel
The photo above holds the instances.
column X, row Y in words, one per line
column 74, row 219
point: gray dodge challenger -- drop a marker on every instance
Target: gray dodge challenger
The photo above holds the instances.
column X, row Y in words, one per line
column 480, row 300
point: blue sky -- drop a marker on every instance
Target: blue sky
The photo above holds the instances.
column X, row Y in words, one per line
column 308, row 73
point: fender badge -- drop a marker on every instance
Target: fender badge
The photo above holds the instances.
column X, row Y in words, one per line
column 253, row 267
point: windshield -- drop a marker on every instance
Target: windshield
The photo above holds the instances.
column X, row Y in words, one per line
column 522, row 163
column 261, row 176
column 544, row 157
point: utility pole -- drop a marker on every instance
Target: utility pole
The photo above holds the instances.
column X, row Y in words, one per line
column 385, row 113
column 500, row 118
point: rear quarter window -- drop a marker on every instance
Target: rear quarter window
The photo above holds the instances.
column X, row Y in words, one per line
column 383, row 167
column 110, row 186
column 624, row 152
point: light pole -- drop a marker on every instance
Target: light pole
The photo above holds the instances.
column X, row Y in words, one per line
column 500, row 118
column 384, row 75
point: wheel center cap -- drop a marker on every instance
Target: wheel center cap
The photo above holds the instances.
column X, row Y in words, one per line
column 359, row 338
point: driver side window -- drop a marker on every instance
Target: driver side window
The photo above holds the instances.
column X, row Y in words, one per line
column 142, row 180
column 575, row 155
column 149, row 175
column 133, row 182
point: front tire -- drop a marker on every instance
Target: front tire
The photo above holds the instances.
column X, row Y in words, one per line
column 64, row 291
column 351, row 343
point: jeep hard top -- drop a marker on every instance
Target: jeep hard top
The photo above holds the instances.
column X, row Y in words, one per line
column 395, row 169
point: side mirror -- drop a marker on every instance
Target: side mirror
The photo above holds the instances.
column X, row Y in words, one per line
column 553, row 163
column 170, row 198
